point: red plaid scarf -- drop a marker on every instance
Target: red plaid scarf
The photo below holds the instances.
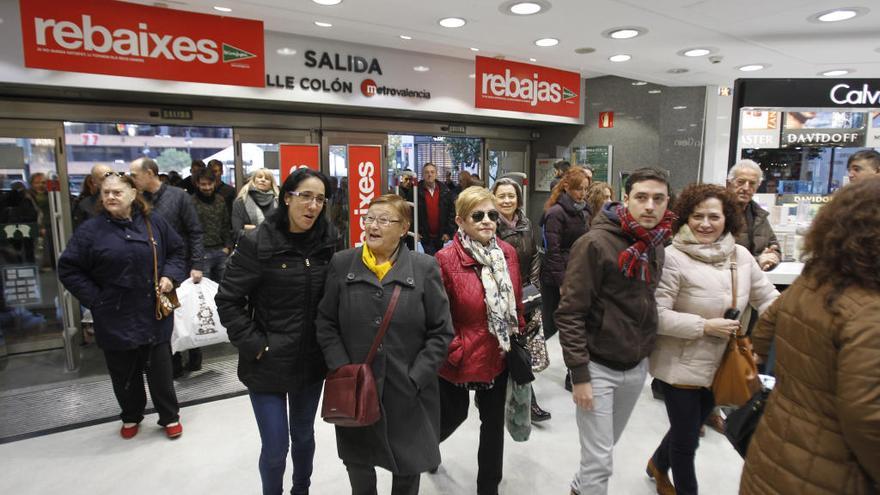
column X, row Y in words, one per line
column 633, row 260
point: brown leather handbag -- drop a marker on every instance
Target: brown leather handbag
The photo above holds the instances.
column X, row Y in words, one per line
column 350, row 395
column 166, row 302
column 736, row 379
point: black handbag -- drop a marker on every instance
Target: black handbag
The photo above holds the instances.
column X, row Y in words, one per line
column 742, row 422
column 519, row 362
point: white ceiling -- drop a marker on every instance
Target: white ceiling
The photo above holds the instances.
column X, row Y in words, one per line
column 774, row 32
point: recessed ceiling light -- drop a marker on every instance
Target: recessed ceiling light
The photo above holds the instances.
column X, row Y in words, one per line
column 619, row 58
column 327, row 2
column 421, row 68
column 405, row 37
column 836, row 15
column 222, row 9
column 695, row 52
column 751, row 67
column 286, row 51
column 677, row 70
column 679, row 107
column 624, row 33
column 692, row 125
column 639, row 83
column 533, row 60
column 452, row 22
column 654, row 91
column 323, row 24
column 834, row 73
column 547, row 42
column 586, row 49
column 681, row 130
column 475, row 49
column 525, row 8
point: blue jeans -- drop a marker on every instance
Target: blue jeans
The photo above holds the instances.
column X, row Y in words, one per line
column 273, row 411
column 214, row 264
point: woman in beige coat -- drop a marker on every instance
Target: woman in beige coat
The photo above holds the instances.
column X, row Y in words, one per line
column 694, row 293
column 820, row 434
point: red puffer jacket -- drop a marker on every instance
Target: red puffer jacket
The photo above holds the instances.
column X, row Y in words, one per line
column 474, row 354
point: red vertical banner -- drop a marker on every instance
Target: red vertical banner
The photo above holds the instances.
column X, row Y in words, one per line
column 294, row 156
column 364, row 185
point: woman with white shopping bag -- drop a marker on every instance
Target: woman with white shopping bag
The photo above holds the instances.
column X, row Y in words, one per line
column 268, row 303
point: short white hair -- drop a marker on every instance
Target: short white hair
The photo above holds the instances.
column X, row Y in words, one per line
column 743, row 165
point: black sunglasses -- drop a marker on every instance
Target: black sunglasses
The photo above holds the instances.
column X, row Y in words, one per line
column 118, row 174
column 477, row 216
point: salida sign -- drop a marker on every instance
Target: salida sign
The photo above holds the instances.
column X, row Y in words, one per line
column 519, row 87
column 126, row 39
column 363, row 186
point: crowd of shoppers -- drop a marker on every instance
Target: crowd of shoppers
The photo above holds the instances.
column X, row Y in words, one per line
column 635, row 287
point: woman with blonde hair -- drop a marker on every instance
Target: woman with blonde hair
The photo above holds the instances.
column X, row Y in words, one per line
column 598, row 195
column 254, row 201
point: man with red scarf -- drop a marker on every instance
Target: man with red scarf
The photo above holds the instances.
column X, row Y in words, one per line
column 607, row 318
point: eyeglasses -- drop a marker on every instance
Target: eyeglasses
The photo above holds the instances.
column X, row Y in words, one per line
column 309, row 197
column 117, row 174
column 381, row 221
column 477, row 216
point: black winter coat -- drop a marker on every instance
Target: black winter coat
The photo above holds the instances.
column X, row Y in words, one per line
column 108, row 266
column 562, row 225
column 269, row 297
column 176, row 207
column 447, row 211
column 523, row 238
column 406, row 438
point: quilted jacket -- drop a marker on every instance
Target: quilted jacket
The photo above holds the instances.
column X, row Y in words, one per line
column 820, row 433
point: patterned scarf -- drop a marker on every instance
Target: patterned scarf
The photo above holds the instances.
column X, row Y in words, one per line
column 497, row 288
column 633, row 261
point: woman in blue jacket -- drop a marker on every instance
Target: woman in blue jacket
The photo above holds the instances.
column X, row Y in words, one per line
column 108, row 266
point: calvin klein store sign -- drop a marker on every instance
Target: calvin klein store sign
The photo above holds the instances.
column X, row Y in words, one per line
column 808, row 93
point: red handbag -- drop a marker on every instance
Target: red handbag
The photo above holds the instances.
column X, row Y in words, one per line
column 350, row 395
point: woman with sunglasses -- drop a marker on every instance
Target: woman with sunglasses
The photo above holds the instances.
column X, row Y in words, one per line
column 482, row 279
column 360, row 287
column 268, row 302
column 108, row 265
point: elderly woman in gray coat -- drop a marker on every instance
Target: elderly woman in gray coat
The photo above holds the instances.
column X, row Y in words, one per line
column 360, row 281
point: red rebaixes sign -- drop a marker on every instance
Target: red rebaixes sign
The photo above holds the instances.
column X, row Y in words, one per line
column 364, row 185
column 126, row 39
column 506, row 85
column 294, row 156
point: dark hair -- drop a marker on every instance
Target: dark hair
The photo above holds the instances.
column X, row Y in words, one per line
column 197, row 163
column 215, row 162
column 645, row 174
column 562, row 166
column 139, row 203
column 203, row 173
column 279, row 216
column 506, row 181
column 842, row 247
column 870, row 156
column 572, row 178
column 694, row 194
column 34, row 176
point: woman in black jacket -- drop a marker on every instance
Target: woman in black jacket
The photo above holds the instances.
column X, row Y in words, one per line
column 268, row 303
column 566, row 218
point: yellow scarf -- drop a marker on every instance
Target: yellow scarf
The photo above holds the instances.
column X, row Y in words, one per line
column 370, row 262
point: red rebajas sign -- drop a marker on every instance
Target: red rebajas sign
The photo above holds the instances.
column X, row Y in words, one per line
column 519, row 87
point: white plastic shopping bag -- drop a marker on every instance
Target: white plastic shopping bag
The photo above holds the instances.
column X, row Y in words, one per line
column 196, row 322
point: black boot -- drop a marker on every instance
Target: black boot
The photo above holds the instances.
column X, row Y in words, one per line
column 195, row 360
column 177, row 365
column 538, row 414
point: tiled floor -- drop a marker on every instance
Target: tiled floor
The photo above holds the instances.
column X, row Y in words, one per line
column 218, row 455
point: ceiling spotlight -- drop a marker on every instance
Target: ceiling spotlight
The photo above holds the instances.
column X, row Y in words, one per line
column 327, row 2
column 679, row 107
column 285, row 51
column 323, row 24
column 751, row 67
column 405, row 37
column 835, row 15
column 654, row 91
column 475, row 49
column 586, row 49
column 525, row 8
column 677, row 70
column 533, row 60
column 421, row 68
column 547, row 42
column 624, row 33
column 619, row 58
column 695, row 52
column 222, row 9
column 639, row 83
column 835, row 72
column 452, row 22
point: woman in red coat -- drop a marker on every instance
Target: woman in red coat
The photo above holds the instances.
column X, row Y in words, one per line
column 482, row 279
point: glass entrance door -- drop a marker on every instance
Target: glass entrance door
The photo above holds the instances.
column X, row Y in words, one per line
column 36, row 313
column 334, row 147
column 506, row 158
column 260, row 148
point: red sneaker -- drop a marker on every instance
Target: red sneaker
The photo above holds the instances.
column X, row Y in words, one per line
column 174, row 430
column 128, row 432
